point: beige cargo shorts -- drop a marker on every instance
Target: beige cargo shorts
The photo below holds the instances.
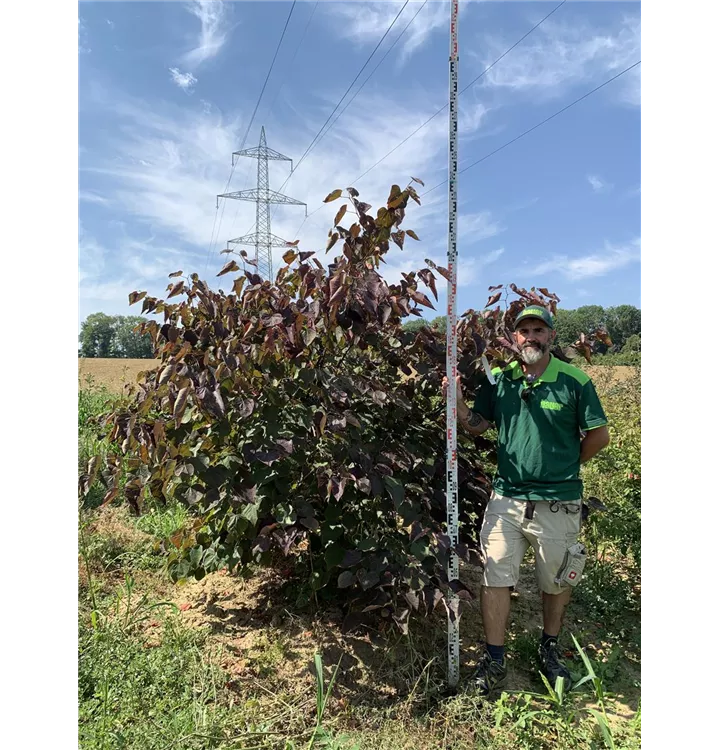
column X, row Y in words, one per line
column 506, row 535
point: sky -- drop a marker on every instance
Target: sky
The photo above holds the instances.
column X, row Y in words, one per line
column 167, row 91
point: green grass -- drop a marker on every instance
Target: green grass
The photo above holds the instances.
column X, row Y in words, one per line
column 132, row 696
column 165, row 686
column 92, row 401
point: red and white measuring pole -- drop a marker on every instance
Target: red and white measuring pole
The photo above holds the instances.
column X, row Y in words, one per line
column 452, row 466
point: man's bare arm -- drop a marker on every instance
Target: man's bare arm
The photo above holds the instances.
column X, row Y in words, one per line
column 472, row 422
column 595, row 441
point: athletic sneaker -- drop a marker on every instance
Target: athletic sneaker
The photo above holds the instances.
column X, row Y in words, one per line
column 551, row 666
column 489, row 675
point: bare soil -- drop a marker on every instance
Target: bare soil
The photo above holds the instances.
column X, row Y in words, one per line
column 115, row 374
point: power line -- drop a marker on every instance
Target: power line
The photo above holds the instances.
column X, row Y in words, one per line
column 513, row 140
column 246, row 133
column 271, row 107
column 368, row 60
column 291, row 62
column 396, row 18
column 356, row 93
column 439, row 111
column 538, row 125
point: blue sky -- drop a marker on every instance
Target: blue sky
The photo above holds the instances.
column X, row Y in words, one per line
column 167, row 89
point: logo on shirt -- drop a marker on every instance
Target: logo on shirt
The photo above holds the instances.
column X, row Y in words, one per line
column 551, row 405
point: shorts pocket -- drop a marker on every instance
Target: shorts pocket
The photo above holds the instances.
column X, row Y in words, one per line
column 571, row 570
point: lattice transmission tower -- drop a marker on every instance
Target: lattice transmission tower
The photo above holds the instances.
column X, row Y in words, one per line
column 262, row 239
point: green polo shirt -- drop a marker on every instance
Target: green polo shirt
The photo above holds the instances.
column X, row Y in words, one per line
column 539, row 441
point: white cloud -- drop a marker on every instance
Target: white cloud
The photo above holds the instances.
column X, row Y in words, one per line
column 477, row 226
column 90, row 197
column 472, row 270
column 213, row 33
column 559, row 56
column 595, row 264
column 366, row 23
column 471, row 117
column 633, row 192
column 491, row 257
column 111, row 24
column 184, row 80
column 91, row 255
column 82, row 40
column 166, row 164
column 108, row 272
column 598, row 185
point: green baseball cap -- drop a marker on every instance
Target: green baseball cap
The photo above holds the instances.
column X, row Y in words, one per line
column 535, row 311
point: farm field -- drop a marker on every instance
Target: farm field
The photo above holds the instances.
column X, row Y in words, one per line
column 229, row 661
column 114, row 374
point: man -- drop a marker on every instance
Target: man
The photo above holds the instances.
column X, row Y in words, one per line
column 549, row 421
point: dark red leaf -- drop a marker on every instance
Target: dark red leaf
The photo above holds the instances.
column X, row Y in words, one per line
column 333, row 237
column 351, row 558
column 272, row 320
column 337, row 487
column 268, row 457
column 346, row 579
column 286, row 538
column 286, row 445
column 180, row 404
column 340, row 214
column 227, row 267
column 176, row 289
column 432, row 596
column 420, row 297
column 261, row 544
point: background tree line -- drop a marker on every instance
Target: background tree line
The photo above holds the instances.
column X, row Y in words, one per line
column 623, row 323
column 113, row 335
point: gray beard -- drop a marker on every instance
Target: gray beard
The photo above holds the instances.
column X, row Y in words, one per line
column 531, row 355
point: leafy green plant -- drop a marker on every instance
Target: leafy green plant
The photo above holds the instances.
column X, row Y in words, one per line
column 128, row 613
column 297, row 416
column 319, row 734
column 601, row 717
column 614, row 474
column 557, row 712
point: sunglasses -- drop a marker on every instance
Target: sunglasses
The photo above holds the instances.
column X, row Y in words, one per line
column 528, row 388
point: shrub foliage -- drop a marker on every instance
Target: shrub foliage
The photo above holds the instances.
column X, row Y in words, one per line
column 297, row 416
